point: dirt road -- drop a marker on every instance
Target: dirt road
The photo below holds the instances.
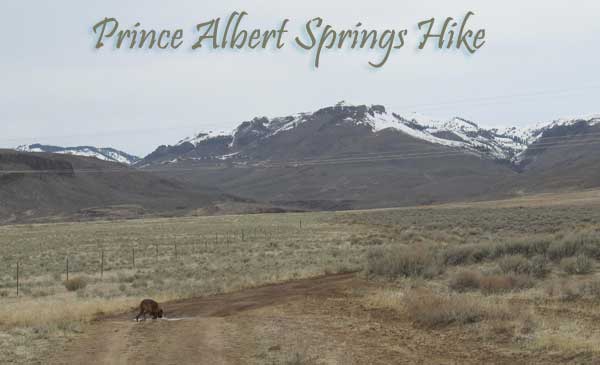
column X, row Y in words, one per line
column 197, row 331
column 313, row 321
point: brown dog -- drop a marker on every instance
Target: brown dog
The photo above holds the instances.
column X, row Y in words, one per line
column 149, row 306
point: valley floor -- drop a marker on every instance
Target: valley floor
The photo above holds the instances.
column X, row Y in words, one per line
column 316, row 321
column 513, row 281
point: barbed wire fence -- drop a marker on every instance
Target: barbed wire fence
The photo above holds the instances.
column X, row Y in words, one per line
column 96, row 260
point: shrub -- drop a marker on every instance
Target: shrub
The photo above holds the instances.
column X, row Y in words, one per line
column 402, row 261
column 471, row 280
column 519, row 265
column 370, row 240
column 503, row 283
column 561, row 249
column 591, row 289
column 538, row 266
column 581, row 243
column 515, row 264
column 569, row 291
column 124, row 278
column 576, row 265
column 428, row 309
column 76, row 283
column 465, row 280
column 458, row 255
column 39, row 293
column 565, row 291
column 521, row 247
column 300, row 359
column 465, row 254
column 481, row 252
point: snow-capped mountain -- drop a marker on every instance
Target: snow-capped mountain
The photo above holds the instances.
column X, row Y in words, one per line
column 360, row 156
column 105, row 154
column 243, row 141
column 543, row 129
column 260, row 139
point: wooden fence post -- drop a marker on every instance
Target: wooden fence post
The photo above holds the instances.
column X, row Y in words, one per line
column 133, row 257
column 102, row 264
column 17, row 278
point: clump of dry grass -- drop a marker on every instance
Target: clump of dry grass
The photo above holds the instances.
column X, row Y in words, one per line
column 578, row 243
column 568, row 290
column 518, row 264
column 403, row 261
column 465, row 280
column 74, row 284
column 503, row 283
column 472, row 280
column 591, row 288
column 536, row 248
column 55, row 310
column 298, row 358
column 576, row 265
column 64, row 309
column 429, row 309
column 568, row 338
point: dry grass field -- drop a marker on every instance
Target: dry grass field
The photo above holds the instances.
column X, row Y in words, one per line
column 174, row 258
column 508, row 281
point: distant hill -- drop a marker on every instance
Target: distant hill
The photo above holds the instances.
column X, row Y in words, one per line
column 45, row 186
column 105, row 154
column 347, row 156
column 338, row 157
column 562, row 154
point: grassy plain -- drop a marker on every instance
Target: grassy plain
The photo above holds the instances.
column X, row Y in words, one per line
column 522, row 274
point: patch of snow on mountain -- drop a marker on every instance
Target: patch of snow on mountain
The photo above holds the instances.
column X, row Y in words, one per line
column 115, row 156
column 381, row 121
column 105, row 154
column 27, row 148
column 228, row 156
column 295, row 121
column 85, row 152
column 203, row 136
column 454, row 125
column 535, row 132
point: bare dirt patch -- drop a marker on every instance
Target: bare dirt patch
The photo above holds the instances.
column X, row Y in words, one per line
column 325, row 320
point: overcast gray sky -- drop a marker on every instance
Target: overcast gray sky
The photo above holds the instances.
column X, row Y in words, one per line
column 540, row 62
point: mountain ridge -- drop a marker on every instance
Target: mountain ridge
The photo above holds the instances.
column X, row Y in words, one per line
column 355, row 157
column 101, row 153
column 504, row 144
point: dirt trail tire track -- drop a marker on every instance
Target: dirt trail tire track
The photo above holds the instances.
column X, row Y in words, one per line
column 200, row 338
